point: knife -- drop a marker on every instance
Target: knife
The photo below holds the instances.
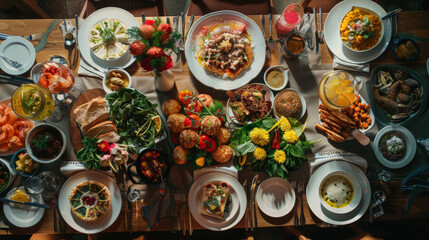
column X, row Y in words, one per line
column 146, row 214
column 391, row 13
column 252, row 202
column 316, row 34
column 17, row 79
column 25, row 203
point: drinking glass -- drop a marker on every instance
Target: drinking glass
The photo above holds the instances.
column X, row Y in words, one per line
column 290, row 18
column 58, row 79
column 296, row 44
column 338, row 89
column 32, row 102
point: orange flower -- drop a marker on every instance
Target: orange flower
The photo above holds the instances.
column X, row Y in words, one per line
column 155, row 52
column 147, row 31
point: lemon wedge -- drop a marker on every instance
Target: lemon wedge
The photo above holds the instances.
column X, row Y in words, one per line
column 20, row 196
column 157, row 121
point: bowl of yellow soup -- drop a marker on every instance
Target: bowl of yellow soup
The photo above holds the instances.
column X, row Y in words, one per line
column 340, row 192
column 361, row 29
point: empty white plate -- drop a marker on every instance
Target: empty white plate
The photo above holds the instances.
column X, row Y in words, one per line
column 275, row 197
column 17, row 49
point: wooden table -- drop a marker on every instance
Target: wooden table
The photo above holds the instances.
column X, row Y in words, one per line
column 412, row 22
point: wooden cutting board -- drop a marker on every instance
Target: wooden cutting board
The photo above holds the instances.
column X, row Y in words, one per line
column 75, row 133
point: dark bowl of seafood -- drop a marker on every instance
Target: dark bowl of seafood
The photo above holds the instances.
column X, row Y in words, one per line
column 397, row 94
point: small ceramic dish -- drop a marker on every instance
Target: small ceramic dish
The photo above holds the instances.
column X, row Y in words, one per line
column 356, row 195
column 301, row 97
column 275, row 70
column 410, row 145
column 275, row 197
column 38, row 129
column 13, row 164
column 118, row 75
column 405, row 41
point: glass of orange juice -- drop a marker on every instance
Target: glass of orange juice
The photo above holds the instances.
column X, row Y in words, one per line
column 338, row 89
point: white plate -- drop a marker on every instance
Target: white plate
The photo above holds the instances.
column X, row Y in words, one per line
column 89, row 227
column 237, row 206
column 109, row 12
column 313, row 198
column 371, row 115
column 230, row 114
column 214, row 81
column 275, row 197
column 23, row 216
column 411, row 147
column 332, row 32
column 301, row 97
column 17, row 49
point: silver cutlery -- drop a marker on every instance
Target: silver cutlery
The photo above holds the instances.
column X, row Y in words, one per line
column 270, row 39
column 246, row 214
column 31, row 37
column 301, row 189
column 14, row 64
column 263, row 25
column 146, row 213
column 321, row 40
column 143, row 18
column 191, row 21
column 162, row 194
column 76, row 47
column 25, row 203
column 177, row 210
column 295, row 218
column 391, row 13
column 316, row 33
column 253, row 218
column 191, row 230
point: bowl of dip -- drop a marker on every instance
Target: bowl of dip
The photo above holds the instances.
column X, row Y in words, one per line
column 394, row 146
column 276, row 77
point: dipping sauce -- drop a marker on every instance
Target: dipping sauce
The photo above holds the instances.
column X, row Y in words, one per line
column 392, row 145
column 275, row 78
column 20, row 196
column 337, row 191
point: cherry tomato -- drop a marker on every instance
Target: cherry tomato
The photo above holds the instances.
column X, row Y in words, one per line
column 192, row 108
column 192, row 121
column 185, row 97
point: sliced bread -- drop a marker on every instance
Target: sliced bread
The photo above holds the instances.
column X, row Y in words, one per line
column 96, row 112
column 101, row 128
column 109, row 137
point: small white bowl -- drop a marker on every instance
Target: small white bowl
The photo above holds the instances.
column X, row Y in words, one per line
column 38, row 128
column 123, row 73
column 301, row 97
column 381, row 31
column 411, row 147
column 282, row 69
column 357, row 193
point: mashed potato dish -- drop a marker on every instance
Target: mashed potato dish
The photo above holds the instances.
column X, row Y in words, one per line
column 337, row 191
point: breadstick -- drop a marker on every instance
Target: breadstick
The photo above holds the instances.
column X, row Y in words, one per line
column 326, row 125
column 332, row 123
column 334, row 138
column 328, row 132
column 338, row 114
column 336, row 120
column 344, row 134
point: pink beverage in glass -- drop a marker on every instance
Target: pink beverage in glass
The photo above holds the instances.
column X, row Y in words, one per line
column 290, row 18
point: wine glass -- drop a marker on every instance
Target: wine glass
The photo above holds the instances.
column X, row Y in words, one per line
column 58, row 79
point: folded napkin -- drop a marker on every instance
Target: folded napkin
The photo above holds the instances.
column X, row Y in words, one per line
column 87, row 70
column 319, row 159
column 227, row 168
column 344, row 65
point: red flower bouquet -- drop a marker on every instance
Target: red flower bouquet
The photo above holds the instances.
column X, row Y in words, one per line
column 152, row 45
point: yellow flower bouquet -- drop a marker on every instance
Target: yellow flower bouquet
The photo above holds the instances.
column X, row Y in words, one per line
column 276, row 146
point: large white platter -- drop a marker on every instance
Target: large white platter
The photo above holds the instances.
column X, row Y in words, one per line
column 214, row 81
column 109, row 12
column 313, row 198
column 332, row 32
column 237, row 206
column 104, row 222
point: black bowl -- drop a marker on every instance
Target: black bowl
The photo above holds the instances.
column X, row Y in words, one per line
column 160, row 159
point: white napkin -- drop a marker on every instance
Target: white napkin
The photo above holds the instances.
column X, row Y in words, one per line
column 343, row 65
column 88, row 70
column 305, row 25
column 319, row 159
column 227, row 168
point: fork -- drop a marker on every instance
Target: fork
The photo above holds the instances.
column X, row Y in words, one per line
column 270, row 39
column 161, row 193
column 321, row 29
column 183, row 203
column 14, row 64
column 295, row 219
column 301, row 186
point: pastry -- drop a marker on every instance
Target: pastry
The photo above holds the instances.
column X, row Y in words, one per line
column 215, row 198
